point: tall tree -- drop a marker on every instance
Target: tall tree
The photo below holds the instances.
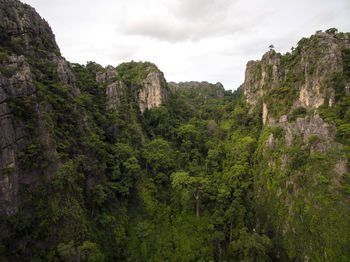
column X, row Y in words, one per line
column 194, row 184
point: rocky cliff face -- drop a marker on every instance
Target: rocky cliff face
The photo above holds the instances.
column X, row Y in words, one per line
column 148, row 87
column 27, row 46
column 153, row 92
column 303, row 76
column 301, row 164
column 114, row 87
column 301, row 81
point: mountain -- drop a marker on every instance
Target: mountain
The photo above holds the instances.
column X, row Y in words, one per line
column 116, row 164
column 303, row 152
column 30, row 57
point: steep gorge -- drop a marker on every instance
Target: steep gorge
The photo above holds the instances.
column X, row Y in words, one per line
column 102, row 164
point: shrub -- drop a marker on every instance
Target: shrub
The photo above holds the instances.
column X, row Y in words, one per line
column 298, row 112
column 278, row 132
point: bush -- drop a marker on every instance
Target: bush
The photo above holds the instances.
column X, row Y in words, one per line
column 332, row 31
column 3, row 57
column 298, row 112
column 338, row 83
column 345, row 52
column 278, row 132
column 33, row 157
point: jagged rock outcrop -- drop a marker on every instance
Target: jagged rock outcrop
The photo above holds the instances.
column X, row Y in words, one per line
column 306, row 127
column 305, row 72
column 149, row 88
column 257, row 76
column 27, row 49
column 114, row 87
column 107, row 74
column 114, row 92
column 153, row 92
column 298, row 80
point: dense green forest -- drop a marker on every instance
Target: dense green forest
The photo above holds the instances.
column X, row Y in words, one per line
column 207, row 175
column 174, row 183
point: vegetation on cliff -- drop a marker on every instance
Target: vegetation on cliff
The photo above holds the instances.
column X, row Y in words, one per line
column 198, row 177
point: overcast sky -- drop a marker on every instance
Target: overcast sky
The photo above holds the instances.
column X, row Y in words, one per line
column 200, row 40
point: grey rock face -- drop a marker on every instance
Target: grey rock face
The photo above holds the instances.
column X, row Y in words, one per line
column 256, row 77
column 317, row 61
column 101, row 77
column 65, row 73
column 18, row 83
column 153, row 92
column 114, row 92
column 306, row 127
column 312, row 67
column 22, row 23
column 114, row 89
column 28, row 39
column 106, row 74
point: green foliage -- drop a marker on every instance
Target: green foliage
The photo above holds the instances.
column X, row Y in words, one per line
column 345, row 52
column 297, row 112
column 90, row 252
column 3, row 57
column 159, row 157
column 332, row 31
column 278, row 132
column 33, row 157
column 313, row 139
column 338, row 83
column 251, row 247
column 22, row 111
column 280, row 99
column 132, row 73
column 294, row 173
column 339, row 113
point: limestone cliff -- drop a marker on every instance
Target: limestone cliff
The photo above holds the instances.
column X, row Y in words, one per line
column 27, row 51
column 153, row 92
column 142, row 82
column 291, row 87
column 301, row 158
column 114, row 87
column 298, row 79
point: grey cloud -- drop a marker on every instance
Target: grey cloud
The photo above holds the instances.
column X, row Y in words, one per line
column 201, row 9
column 183, row 20
column 159, row 29
column 173, row 28
column 176, row 32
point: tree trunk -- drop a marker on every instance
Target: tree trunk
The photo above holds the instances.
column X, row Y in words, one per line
column 231, row 233
column 197, row 203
